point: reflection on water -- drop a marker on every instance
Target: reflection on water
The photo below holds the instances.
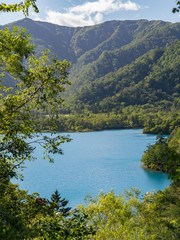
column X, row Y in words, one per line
column 155, row 177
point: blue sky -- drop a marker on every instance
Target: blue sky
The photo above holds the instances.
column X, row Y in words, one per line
column 89, row 12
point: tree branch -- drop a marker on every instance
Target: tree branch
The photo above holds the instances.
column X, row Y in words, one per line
column 29, row 99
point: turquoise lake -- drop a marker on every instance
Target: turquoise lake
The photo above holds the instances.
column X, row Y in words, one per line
column 94, row 161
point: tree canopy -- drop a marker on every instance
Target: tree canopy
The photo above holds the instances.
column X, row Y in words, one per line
column 17, row 7
column 177, row 8
column 161, row 157
column 37, row 84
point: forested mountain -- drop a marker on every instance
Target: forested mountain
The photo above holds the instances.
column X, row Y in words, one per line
column 114, row 64
column 153, row 77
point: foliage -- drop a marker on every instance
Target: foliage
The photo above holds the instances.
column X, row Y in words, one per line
column 126, row 217
column 152, row 119
column 22, row 6
column 163, row 158
column 19, row 212
column 37, row 84
column 174, row 140
column 177, row 8
column 25, row 216
column 108, row 216
column 59, row 205
column 112, row 216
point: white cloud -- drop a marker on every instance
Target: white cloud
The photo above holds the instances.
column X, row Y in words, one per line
column 89, row 13
column 104, row 6
column 69, row 19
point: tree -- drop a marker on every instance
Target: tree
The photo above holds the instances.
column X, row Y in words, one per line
column 22, row 6
column 125, row 216
column 177, row 8
column 161, row 157
column 38, row 83
column 59, row 205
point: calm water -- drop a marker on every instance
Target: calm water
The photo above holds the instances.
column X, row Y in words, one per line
column 92, row 162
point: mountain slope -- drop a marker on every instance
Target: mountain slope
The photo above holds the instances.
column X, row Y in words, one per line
column 114, row 64
column 144, row 39
column 151, row 78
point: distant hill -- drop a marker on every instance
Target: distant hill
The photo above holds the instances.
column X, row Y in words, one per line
column 116, row 63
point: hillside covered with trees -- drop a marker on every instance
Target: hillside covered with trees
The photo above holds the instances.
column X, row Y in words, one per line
column 124, row 74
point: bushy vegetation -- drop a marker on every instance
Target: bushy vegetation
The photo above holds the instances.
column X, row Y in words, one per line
column 161, row 157
column 126, row 217
column 151, row 119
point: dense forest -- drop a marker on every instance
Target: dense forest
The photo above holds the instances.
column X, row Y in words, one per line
column 125, row 74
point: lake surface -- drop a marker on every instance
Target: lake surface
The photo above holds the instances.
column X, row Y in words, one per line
column 94, row 161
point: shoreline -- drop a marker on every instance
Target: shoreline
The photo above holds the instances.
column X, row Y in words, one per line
column 98, row 130
column 151, row 169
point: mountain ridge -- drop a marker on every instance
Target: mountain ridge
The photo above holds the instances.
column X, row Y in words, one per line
column 99, row 52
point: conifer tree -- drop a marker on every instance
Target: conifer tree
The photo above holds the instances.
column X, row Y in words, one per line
column 59, row 204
